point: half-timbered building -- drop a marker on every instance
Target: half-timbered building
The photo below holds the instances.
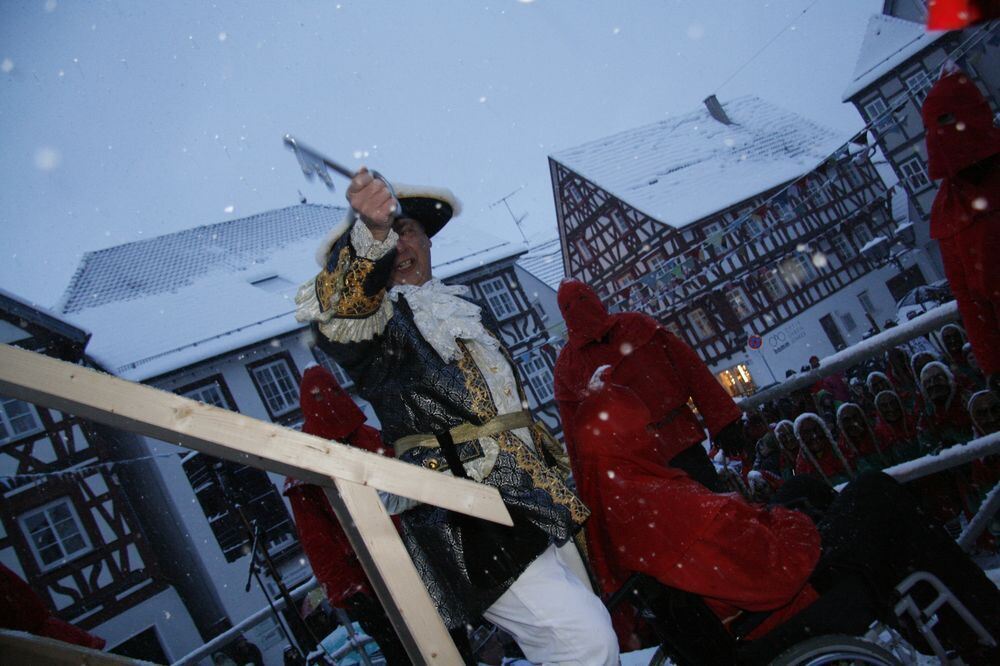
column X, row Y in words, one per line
column 898, row 63
column 209, row 313
column 70, row 527
column 730, row 222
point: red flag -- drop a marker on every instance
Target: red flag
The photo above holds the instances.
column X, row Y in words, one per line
column 958, row 14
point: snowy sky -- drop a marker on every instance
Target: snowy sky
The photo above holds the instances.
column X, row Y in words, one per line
column 123, row 120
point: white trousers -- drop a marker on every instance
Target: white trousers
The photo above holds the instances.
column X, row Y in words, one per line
column 554, row 618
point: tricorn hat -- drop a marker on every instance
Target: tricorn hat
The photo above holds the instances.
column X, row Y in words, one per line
column 432, row 207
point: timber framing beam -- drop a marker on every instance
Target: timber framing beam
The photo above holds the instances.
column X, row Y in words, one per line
column 351, row 476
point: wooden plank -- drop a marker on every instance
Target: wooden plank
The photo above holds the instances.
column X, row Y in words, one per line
column 389, row 568
column 218, row 432
column 18, row 647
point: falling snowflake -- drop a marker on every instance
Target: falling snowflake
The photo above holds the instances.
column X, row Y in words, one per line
column 229, row 209
column 7, row 65
column 695, row 31
column 50, row 6
column 482, row 100
column 166, row 614
column 980, row 203
column 960, row 126
column 604, row 416
column 626, row 349
column 223, row 36
column 616, row 30
column 819, row 260
column 47, row 158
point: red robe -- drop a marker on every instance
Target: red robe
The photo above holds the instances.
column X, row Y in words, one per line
column 662, row 370
column 654, row 519
column 21, row 609
column 963, row 149
column 331, row 414
column 829, row 462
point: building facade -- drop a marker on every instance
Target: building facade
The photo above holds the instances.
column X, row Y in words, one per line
column 898, row 64
column 70, row 526
column 781, row 259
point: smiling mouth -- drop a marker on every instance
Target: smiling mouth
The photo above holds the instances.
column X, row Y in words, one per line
column 403, row 265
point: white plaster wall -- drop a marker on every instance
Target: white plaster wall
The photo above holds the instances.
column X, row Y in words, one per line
column 165, row 611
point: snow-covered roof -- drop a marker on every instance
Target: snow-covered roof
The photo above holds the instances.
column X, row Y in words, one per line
column 167, row 302
column 889, row 41
column 690, row 166
column 544, row 261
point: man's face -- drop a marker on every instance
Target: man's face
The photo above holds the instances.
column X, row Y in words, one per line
column 919, row 361
column 985, row 411
column 813, row 437
column 413, row 254
column 786, row 438
column 852, row 422
column 952, row 340
column 889, row 408
column 937, row 386
column 880, row 384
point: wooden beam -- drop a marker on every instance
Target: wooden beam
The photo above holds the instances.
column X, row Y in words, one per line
column 18, row 647
column 389, row 568
column 224, row 434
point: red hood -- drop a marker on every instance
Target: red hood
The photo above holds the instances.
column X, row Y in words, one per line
column 586, row 318
column 970, row 138
column 328, row 410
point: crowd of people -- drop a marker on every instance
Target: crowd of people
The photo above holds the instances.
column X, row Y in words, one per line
column 877, row 414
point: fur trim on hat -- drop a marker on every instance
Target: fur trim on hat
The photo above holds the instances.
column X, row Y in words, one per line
column 323, row 251
column 404, row 191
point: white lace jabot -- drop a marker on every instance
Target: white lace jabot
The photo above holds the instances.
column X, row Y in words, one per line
column 443, row 318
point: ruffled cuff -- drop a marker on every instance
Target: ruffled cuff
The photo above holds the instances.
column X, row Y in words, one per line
column 366, row 246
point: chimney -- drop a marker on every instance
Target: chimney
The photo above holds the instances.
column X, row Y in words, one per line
column 714, row 108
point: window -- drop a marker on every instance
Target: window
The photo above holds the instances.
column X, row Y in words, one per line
column 848, row 320
column 211, row 392
column 842, row 247
column 854, row 176
column 700, row 324
column 716, row 236
column 737, row 380
column 915, row 173
column 327, row 362
column 877, row 112
column 798, row 270
column 498, row 296
column 919, row 84
column 220, row 487
column 583, row 249
column 17, row 419
column 773, row 285
column 277, row 385
column 537, row 371
column 739, row 303
column 54, row 533
column 619, row 221
column 862, row 234
column 817, row 195
column 866, row 302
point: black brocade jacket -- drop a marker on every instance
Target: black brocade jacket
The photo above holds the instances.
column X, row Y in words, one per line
column 413, row 390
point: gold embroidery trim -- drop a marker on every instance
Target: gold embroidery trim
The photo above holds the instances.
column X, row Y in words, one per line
column 542, row 477
column 328, row 283
column 353, row 301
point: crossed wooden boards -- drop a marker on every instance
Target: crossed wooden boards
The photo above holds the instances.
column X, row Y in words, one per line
column 349, row 476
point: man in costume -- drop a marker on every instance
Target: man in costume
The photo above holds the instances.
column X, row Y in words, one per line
column 772, row 566
column 330, row 413
column 659, row 367
column 963, row 151
column 427, row 359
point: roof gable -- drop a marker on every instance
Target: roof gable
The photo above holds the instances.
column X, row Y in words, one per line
column 685, row 168
column 888, row 42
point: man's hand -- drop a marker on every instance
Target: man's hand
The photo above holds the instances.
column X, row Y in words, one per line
column 373, row 201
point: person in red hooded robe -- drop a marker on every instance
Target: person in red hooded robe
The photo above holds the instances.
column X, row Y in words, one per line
column 963, row 150
column 805, row 578
column 662, row 370
column 330, row 413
